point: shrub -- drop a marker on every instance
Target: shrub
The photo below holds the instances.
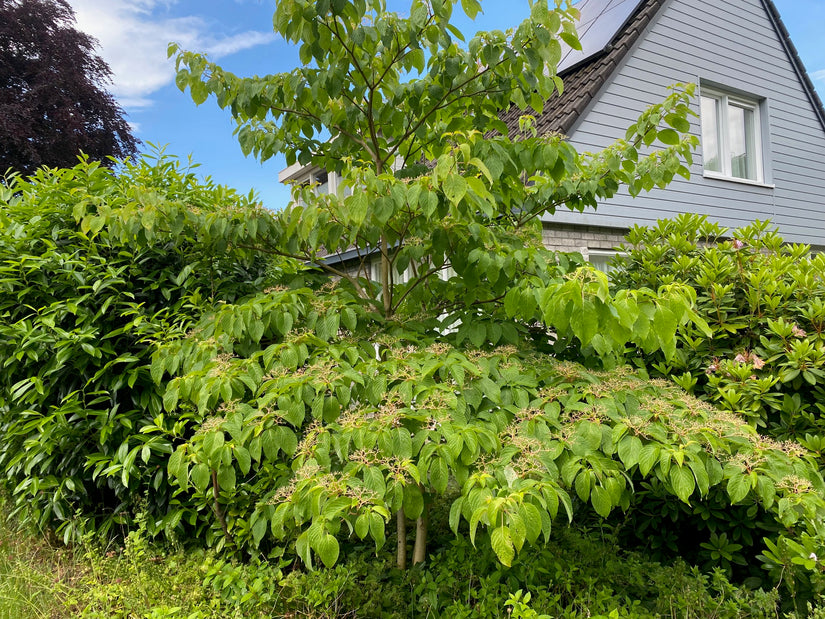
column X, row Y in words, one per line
column 81, row 310
column 578, row 573
column 764, row 302
column 307, row 432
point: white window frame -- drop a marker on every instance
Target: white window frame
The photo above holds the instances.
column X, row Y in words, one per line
column 726, row 99
column 606, row 254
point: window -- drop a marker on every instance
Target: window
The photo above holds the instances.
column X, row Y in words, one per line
column 731, row 136
column 601, row 259
column 321, row 182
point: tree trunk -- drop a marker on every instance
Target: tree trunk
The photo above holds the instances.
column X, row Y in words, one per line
column 401, row 532
column 386, row 288
column 218, row 511
column 420, row 550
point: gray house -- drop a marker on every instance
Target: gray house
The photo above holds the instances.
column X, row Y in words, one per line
column 760, row 122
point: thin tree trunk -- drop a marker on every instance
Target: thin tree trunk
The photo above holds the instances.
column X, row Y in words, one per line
column 218, row 511
column 401, row 532
column 420, row 550
column 386, row 289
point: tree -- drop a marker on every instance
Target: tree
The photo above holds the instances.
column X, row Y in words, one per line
column 53, row 102
column 361, row 399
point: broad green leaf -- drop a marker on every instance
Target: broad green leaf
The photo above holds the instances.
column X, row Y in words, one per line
column 738, row 487
column 377, row 530
column 439, row 475
column 200, row 475
column 503, row 545
column 648, row 457
column 455, row 188
column 630, row 450
column 362, row 525
column 243, row 459
column 682, row 480
column 600, row 498
column 327, row 549
column 413, row 501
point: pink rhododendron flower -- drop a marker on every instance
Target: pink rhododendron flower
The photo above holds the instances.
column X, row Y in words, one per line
column 798, row 332
column 751, row 358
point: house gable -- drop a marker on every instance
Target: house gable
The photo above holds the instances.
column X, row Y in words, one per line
column 739, row 45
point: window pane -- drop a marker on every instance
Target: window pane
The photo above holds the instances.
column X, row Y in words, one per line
column 742, row 145
column 710, row 134
column 601, row 259
column 322, row 178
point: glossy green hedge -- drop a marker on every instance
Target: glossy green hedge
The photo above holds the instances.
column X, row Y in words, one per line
column 81, row 310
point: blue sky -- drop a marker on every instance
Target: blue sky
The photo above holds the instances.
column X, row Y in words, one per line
column 133, row 36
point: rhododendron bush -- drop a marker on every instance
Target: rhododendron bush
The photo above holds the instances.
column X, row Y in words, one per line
column 764, row 302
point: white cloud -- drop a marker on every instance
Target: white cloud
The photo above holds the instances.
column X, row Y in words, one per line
column 133, row 38
column 818, row 75
column 239, row 42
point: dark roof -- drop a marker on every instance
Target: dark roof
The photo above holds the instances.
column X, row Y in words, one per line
column 584, row 73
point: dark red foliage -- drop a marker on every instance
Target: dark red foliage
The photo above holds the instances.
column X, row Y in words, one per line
column 53, row 101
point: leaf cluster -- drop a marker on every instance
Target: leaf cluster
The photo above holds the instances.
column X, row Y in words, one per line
column 764, row 303
column 326, row 430
column 81, row 310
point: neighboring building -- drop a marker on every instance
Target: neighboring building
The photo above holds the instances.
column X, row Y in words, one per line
column 759, row 119
column 760, row 122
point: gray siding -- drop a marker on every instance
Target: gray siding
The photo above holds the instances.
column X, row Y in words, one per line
column 732, row 44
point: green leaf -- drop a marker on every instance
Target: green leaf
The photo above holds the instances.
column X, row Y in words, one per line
column 682, row 480
column 177, row 467
column 455, row 188
column 200, row 475
column 630, row 450
column 327, row 549
column 362, row 525
column 739, row 485
column 678, row 122
column 226, row 478
column 455, row 514
column 377, row 530
column 583, row 485
column 269, row 443
column 532, row 520
column 600, row 498
column 259, row 530
column 518, row 530
column 648, row 457
column 471, row 8
column 402, row 444
column 243, row 459
column 439, row 475
column 170, row 398
column 413, row 501
column 503, row 545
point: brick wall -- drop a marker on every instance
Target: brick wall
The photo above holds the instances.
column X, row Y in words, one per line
column 569, row 237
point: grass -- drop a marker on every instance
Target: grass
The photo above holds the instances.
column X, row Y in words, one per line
column 43, row 580
column 35, row 577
